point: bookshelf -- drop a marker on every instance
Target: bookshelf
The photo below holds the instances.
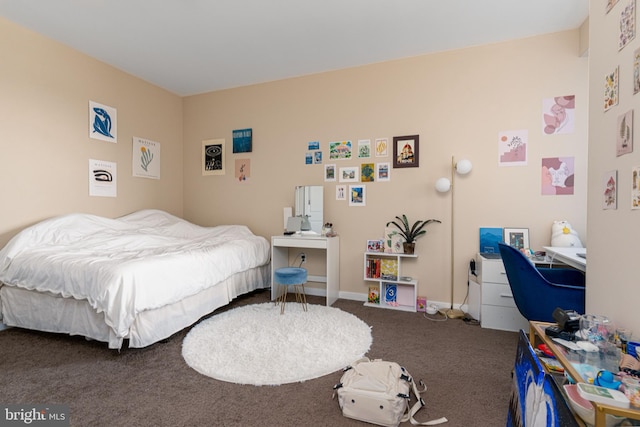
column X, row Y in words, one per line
column 387, row 288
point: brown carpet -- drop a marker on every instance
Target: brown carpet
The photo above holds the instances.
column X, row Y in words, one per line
column 467, row 370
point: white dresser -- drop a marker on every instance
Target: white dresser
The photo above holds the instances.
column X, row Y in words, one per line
column 490, row 297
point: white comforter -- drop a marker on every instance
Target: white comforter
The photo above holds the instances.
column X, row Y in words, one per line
column 124, row 266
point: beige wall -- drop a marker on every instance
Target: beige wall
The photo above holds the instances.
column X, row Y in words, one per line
column 612, row 277
column 45, row 89
column 456, row 101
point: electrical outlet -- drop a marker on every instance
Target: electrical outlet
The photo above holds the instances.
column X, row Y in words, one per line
column 303, row 257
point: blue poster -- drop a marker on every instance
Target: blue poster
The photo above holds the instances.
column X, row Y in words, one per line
column 242, row 140
column 489, row 239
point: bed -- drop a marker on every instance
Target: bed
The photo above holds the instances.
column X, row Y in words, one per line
column 141, row 277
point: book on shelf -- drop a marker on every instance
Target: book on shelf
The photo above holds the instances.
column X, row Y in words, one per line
column 374, row 266
column 390, row 292
column 389, row 267
column 374, row 295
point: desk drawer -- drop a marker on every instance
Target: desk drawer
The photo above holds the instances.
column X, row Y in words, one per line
column 497, row 294
column 492, row 271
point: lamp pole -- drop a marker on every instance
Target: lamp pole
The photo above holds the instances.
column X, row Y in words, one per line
column 453, row 312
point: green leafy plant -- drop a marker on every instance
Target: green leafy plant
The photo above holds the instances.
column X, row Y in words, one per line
column 411, row 232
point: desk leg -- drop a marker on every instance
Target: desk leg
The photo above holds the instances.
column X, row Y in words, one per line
column 333, row 270
column 601, row 417
column 532, row 335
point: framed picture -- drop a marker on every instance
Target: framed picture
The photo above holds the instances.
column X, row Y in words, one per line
column 330, row 173
column 213, row 157
column 349, row 174
column 406, row 151
column 517, row 237
column 382, row 172
column 357, row 195
column 242, row 140
column 375, row 245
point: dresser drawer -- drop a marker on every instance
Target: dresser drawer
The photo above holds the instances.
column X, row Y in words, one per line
column 497, row 294
column 492, row 271
column 503, row 318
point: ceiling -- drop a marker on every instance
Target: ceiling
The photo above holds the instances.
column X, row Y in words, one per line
column 196, row 46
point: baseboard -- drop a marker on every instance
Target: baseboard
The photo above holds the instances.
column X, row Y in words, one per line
column 356, row 296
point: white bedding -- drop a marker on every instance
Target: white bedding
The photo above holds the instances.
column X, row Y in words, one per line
column 125, row 266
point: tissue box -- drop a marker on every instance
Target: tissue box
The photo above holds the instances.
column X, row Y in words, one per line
column 421, row 304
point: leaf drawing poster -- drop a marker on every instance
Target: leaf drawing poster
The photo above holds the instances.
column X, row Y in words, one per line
column 624, row 134
column 558, row 176
column 512, row 148
column 146, row 158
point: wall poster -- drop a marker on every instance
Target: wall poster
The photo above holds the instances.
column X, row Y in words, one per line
column 103, row 178
column 557, row 175
column 103, row 122
column 512, row 147
column 146, row 158
column 213, row 157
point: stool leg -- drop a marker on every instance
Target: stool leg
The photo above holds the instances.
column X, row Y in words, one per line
column 303, row 297
column 284, row 299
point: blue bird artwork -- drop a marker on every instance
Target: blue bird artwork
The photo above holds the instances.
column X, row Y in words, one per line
column 102, row 122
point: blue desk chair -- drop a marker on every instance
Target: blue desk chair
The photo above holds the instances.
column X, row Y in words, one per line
column 538, row 291
column 291, row 276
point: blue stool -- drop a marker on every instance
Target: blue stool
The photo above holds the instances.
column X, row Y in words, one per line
column 291, row 276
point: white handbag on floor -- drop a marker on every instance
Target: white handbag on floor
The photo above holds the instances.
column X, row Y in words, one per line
column 378, row 392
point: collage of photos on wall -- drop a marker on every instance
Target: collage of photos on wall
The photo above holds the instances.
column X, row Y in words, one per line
column 351, row 181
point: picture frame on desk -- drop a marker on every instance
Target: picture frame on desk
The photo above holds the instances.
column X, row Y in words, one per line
column 517, row 237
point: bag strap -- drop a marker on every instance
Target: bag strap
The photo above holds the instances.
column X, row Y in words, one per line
column 418, row 405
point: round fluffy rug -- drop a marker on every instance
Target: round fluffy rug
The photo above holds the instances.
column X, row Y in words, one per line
column 257, row 345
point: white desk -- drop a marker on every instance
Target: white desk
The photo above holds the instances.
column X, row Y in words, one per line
column 280, row 258
column 568, row 255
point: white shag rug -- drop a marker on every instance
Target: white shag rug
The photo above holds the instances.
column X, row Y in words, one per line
column 257, row 345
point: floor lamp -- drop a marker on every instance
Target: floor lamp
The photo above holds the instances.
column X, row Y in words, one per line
column 443, row 185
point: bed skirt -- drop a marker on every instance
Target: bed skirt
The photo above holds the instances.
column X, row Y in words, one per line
column 51, row 313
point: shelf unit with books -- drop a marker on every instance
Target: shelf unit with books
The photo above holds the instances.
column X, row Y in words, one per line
column 388, row 288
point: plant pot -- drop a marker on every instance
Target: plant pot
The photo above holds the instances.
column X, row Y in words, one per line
column 409, row 247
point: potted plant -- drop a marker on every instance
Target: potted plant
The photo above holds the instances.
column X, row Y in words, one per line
column 410, row 232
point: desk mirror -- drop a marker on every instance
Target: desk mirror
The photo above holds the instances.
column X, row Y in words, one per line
column 309, row 203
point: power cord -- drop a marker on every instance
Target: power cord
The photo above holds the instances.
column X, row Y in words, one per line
column 432, row 310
